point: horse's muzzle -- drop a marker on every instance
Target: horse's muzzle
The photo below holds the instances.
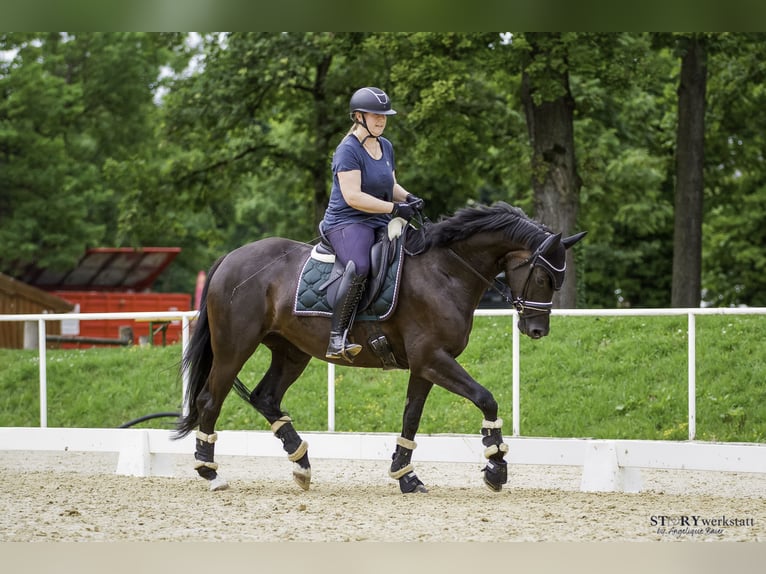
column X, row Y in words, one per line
column 536, row 327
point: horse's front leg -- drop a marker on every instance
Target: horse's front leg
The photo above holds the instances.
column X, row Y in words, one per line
column 496, row 470
column 401, row 465
column 445, row 371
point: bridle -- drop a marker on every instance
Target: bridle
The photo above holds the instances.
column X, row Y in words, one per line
column 525, row 308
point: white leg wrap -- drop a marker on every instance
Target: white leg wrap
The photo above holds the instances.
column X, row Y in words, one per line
column 209, row 438
column 494, row 449
column 406, row 443
column 279, row 423
column 498, row 424
column 401, row 472
column 299, row 452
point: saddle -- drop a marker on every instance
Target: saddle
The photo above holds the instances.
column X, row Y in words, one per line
column 319, row 277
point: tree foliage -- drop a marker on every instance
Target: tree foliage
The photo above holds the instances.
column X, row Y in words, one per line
column 154, row 139
column 68, row 103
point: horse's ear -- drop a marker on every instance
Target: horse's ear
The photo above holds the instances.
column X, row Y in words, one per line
column 572, row 239
column 550, row 244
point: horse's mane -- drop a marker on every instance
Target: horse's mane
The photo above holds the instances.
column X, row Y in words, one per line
column 469, row 221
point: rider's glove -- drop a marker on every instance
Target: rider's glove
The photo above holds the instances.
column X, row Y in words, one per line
column 415, row 202
column 403, row 210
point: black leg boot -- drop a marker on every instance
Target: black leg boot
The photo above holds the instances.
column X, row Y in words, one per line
column 349, row 294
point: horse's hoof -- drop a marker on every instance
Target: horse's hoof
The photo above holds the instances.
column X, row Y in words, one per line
column 492, row 486
column 302, row 476
column 411, row 483
column 420, row 488
column 218, row 483
column 496, row 475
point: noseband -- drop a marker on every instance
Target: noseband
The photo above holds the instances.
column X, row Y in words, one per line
column 523, row 306
column 557, row 279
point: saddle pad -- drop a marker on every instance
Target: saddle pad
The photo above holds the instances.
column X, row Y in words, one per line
column 310, row 299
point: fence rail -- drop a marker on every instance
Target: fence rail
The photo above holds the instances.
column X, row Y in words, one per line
column 187, row 316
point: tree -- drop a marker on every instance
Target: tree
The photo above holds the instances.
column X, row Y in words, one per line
column 256, row 124
column 67, row 103
column 624, row 130
column 690, row 147
column 458, row 130
column 238, row 146
column 734, row 225
column 549, row 110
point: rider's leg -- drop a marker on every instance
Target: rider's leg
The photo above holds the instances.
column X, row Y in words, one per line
column 349, row 294
column 352, row 246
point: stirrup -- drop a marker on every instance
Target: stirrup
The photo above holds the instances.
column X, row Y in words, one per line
column 350, row 351
column 345, row 350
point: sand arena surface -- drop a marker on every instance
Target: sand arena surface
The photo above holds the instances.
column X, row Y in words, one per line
column 76, row 497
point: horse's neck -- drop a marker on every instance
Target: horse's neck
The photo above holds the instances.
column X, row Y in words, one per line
column 484, row 251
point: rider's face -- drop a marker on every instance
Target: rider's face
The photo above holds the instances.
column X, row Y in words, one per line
column 376, row 123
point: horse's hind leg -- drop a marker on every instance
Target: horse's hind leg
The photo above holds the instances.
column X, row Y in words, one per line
column 287, row 364
column 209, row 403
column 401, row 465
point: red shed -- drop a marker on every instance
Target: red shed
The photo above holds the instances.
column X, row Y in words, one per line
column 114, row 280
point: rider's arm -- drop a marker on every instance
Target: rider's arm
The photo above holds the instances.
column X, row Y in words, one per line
column 400, row 194
column 351, row 188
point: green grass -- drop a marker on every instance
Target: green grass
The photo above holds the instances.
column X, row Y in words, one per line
column 615, row 377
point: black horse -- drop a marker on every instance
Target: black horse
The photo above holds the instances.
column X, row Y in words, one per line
column 248, row 300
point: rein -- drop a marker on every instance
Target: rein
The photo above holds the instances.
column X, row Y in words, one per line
column 504, row 290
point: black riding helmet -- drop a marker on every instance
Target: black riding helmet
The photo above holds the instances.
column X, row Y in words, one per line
column 369, row 100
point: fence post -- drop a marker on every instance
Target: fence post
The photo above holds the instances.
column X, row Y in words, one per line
column 43, row 373
column 692, row 359
column 331, row 397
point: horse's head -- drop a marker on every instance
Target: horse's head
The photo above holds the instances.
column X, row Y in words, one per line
column 533, row 277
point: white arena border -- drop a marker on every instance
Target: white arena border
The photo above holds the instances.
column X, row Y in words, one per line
column 607, row 465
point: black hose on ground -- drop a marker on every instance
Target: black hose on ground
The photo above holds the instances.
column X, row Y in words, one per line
column 148, row 417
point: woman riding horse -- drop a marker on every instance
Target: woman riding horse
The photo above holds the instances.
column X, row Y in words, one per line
column 248, row 300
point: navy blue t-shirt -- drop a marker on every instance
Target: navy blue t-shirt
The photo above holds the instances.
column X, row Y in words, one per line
column 377, row 180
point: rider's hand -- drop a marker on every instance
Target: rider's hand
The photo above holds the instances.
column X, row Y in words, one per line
column 403, row 210
column 415, row 202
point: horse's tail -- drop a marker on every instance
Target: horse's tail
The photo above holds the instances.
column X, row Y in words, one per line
column 197, row 362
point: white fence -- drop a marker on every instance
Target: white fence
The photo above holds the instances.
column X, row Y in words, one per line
column 607, row 464
column 187, row 316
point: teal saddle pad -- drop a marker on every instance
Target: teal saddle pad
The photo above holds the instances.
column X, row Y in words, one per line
column 311, row 296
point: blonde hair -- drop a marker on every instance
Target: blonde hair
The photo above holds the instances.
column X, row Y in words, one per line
column 354, row 122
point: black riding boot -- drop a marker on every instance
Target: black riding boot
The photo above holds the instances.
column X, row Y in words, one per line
column 343, row 316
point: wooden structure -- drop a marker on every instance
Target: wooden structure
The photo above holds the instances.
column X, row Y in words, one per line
column 17, row 297
column 113, row 280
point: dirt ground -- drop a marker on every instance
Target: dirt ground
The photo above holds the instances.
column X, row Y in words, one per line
column 77, row 497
